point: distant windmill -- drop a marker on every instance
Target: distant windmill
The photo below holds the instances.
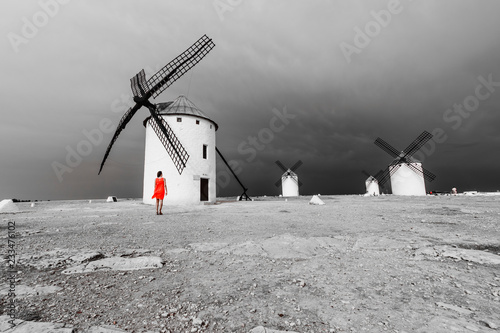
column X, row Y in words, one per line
column 372, row 183
column 289, row 181
column 406, row 174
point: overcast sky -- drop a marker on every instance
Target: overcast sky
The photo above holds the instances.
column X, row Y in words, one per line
column 339, row 73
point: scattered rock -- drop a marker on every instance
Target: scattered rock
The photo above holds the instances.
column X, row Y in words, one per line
column 447, row 325
column 489, row 324
column 58, row 258
column 315, row 200
column 301, row 283
column 262, row 329
column 197, row 321
column 85, row 257
column 133, row 253
column 422, row 253
column 477, row 256
column 117, row 264
column 454, row 308
column 8, row 206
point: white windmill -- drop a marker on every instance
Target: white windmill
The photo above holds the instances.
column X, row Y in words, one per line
column 406, row 173
column 195, row 182
column 371, row 184
column 178, row 141
column 289, row 181
column 182, row 129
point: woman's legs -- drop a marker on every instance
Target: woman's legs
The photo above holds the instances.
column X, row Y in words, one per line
column 161, row 206
column 157, row 202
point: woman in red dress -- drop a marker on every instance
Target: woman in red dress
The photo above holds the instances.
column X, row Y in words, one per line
column 160, row 191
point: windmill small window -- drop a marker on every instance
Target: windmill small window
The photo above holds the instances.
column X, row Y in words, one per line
column 205, row 152
column 197, row 122
column 179, row 119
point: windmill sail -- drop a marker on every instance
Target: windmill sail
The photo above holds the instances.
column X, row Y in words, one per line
column 139, row 84
column 288, row 173
column 387, row 147
column 244, row 195
column 296, row 165
column 405, row 156
column 281, row 166
column 278, row 182
column 429, row 176
column 382, row 176
column 121, row 125
column 417, row 144
column 174, row 148
column 160, row 81
column 292, row 175
column 180, row 65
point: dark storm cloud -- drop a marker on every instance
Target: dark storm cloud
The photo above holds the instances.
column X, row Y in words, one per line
column 269, row 56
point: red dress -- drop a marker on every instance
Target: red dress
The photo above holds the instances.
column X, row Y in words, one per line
column 159, row 189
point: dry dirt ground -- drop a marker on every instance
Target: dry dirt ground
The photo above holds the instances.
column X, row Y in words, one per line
column 355, row 264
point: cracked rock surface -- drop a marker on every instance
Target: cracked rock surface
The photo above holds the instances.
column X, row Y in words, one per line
column 355, row 264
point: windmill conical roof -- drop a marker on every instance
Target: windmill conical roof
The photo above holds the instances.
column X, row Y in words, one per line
column 182, row 105
column 408, row 159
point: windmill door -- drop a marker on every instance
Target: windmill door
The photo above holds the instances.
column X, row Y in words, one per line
column 203, row 189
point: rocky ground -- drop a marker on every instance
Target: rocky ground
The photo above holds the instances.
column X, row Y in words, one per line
column 355, row 264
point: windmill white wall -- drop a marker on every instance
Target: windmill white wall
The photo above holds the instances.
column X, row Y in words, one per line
column 290, row 185
column 194, row 130
column 372, row 187
column 405, row 181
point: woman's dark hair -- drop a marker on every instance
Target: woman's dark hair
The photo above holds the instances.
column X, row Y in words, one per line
column 158, row 174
